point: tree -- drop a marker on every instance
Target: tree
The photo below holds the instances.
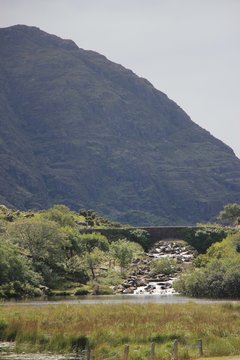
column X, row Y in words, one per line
column 41, row 238
column 90, row 242
column 14, row 266
column 123, row 251
column 201, row 239
column 61, row 214
column 74, row 245
column 229, row 214
column 79, row 244
column 93, row 260
column 141, row 237
column 75, row 268
column 43, row 242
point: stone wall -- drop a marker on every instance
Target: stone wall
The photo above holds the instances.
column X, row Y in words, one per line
column 168, row 232
column 156, row 233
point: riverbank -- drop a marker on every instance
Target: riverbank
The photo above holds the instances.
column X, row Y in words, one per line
column 107, row 328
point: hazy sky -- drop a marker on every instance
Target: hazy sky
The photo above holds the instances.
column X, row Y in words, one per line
column 189, row 49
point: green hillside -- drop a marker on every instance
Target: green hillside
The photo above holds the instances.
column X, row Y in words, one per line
column 79, row 130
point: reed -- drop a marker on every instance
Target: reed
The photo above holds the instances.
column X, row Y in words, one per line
column 106, row 328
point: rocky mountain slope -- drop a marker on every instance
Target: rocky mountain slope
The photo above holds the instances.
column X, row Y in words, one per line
column 77, row 129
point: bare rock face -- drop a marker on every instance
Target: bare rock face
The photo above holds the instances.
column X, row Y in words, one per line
column 78, row 129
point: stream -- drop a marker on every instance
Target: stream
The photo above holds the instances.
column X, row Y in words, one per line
column 7, row 353
column 143, row 281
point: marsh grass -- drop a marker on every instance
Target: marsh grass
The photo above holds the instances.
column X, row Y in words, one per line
column 106, row 328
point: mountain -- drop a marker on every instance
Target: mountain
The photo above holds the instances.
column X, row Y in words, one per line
column 78, row 129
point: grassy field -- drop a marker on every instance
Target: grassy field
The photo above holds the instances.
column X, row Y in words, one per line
column 107, row 328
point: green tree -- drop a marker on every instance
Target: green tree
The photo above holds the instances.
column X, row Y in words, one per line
column 79, row 244
column 74, row 244
column 76, row 269
column 41, row 238
column 124, row 251
column 141, row 237
column 90, row 242
column 202, row 238
column 43, row 243
column 93, row 260
column 61, row 214
column 14, row 266
column 229, row 214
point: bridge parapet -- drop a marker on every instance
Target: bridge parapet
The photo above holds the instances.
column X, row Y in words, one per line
column 168, row 232
column 155, row 232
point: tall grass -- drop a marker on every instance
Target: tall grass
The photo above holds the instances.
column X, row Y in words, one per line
column 106, row 328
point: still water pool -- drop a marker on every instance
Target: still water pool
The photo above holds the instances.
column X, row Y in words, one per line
column 112, row 299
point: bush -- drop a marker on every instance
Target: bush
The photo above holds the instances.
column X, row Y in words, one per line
column 79, row 342
column 105, row 290
column 138, row 236
column 16, row 289
column 217, row 274
column 61, row 214
column 83, row 290
column 141, row 237
column 217, row 280
column 3, row 326
column 202, row 238
column 164, row 266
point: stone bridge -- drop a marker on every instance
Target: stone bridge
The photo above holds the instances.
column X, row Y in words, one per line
column 156, row 232
column 168, row 232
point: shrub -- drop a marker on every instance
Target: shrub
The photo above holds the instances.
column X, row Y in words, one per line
column 84, row 290
column 79, row 342
column 202, row 238
column 140, row 236
column 164, row 266
column 218, row 279
column 3, row 326
column 61, row 214
column 16, row 289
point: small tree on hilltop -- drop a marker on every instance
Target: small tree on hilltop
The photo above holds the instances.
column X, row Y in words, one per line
column 229, row 214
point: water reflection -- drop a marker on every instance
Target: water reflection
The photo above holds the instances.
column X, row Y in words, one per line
column 112, row 299
column 12, row 356
column 7, row 352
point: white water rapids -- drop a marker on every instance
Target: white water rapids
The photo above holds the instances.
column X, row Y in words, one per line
column 143, row 281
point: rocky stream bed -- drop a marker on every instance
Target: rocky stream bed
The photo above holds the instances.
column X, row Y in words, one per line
column 142, row 280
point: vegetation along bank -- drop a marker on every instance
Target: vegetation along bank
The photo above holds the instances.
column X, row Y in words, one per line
column 52, row 252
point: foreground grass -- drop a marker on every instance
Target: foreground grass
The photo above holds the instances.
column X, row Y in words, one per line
column 106, row 328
